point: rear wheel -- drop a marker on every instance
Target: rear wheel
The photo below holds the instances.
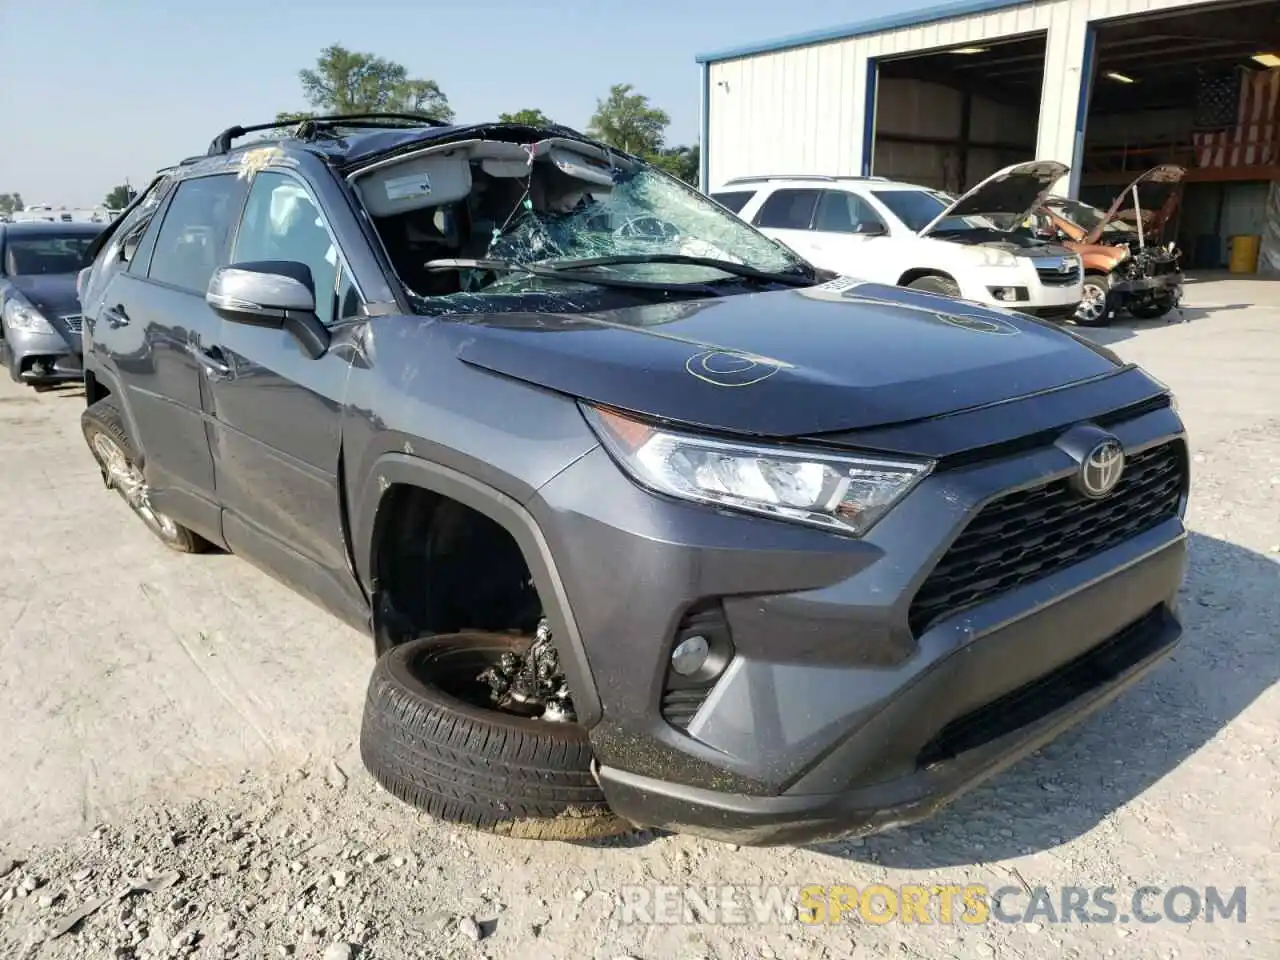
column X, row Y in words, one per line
column 432, row 738
column 1096, row 308
column 936, row 284
column 103, row 428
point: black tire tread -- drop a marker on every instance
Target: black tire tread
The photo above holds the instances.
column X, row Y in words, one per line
column 482, row 769
column 935, row 283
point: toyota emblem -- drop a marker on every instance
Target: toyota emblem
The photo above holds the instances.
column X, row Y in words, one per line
column 1101, row 469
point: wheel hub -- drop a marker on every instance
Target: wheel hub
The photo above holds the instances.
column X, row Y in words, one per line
column 532, row 684
column 1093, row 303
column 125, row 477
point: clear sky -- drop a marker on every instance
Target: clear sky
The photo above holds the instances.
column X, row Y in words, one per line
column 94, row 91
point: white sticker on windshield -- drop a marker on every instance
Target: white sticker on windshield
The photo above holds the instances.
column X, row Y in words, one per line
column 405, row 188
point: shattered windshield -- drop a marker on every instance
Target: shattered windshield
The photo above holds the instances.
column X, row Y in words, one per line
column 556, row 211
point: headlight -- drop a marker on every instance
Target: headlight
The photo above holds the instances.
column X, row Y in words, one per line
column 843, row 494
column 998, row 258
column 23, row 316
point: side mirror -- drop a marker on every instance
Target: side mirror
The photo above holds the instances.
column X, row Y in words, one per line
column 870, row 228
column 279, row 294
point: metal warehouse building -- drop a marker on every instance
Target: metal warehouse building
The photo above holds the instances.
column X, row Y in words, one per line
column 945, row 96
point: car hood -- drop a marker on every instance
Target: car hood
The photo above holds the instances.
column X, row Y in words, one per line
column 1158, row 194
column 1013, row 192
column 53, row 294
column 841, row 356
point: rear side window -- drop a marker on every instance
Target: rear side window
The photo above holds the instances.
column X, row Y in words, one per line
column 733, row 200
column 192, row 241
column 788, row 210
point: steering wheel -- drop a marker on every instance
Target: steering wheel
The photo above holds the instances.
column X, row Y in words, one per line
column 646, row 227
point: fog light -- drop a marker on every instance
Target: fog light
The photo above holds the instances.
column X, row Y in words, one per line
column 690, row 655
column 1008, row 294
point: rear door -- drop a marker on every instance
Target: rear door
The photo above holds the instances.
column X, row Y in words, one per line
column 787, row 216
column 154, row 330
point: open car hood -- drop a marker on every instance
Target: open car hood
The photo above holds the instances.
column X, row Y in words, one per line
column 1157, row 193
column 841, row 356
column 1013, row 192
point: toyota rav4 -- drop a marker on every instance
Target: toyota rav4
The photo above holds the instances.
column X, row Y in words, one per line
column 650, row 521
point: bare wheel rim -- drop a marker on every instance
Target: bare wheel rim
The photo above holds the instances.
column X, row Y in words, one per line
column 129, row 482
column 1093, row 304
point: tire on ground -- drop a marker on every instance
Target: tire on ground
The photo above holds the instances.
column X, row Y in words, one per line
column 1103, row 282
column 465, row 764
column 105, row 417
column 1151, row 309
column 933, row 283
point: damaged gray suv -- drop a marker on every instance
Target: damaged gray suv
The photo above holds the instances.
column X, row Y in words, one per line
column 650, row 522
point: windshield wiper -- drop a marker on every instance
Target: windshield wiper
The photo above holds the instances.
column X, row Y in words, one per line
column 568, row 273
column 728, row 266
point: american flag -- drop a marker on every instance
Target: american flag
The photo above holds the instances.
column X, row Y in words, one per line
column 1250, row 137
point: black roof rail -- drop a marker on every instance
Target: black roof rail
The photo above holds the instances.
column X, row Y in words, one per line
column 795, row 176
column 306, row 126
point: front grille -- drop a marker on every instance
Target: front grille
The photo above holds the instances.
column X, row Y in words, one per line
column 74, row 322
column 1038, row 699
column 1030, row 534
column 1053, row 277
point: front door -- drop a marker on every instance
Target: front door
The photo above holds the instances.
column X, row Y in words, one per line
column 278, row 412
column 849, row 237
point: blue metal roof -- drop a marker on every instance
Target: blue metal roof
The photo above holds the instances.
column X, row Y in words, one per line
column 908, row 18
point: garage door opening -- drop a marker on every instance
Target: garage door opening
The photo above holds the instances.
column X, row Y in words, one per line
column 1198, row 88
column 950, row 118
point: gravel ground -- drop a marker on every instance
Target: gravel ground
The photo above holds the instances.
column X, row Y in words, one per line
column 178, row 777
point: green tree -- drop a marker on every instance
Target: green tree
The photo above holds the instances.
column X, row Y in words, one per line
column 533, row 118
column 681, row 162
column 119, row 197
column 348, row 81
column 625, row 119
column 10, row 203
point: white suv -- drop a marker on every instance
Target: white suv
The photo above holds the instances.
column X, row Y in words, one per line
column 900, row 233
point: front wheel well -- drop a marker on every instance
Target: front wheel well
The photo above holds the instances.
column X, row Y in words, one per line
column 440, row 566
column 94, row 389
column 916, row 273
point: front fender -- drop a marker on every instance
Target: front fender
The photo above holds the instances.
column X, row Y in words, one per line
column 402, row 468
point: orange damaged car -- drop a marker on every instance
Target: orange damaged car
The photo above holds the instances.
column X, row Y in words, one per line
column 1128, row 265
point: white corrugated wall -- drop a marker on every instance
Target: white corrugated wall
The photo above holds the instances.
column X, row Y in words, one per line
column 803, row 110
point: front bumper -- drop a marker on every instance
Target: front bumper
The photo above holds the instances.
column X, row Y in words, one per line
column 1160, row 285
column 835, row 716
column 44, row 358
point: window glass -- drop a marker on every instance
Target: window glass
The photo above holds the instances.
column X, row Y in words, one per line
column 788, row 210
column 282, row 222
column 733, row 200
column 349, row 302
column 841, row 212
column 46, row 253
column 193, row 238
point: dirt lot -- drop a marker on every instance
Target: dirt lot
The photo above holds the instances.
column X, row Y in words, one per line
column 188, row 722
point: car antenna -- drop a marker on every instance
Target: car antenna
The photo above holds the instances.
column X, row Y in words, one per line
column 306, row 126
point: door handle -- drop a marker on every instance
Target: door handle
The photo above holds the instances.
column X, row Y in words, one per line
column 115, row 317
column 213, row 361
